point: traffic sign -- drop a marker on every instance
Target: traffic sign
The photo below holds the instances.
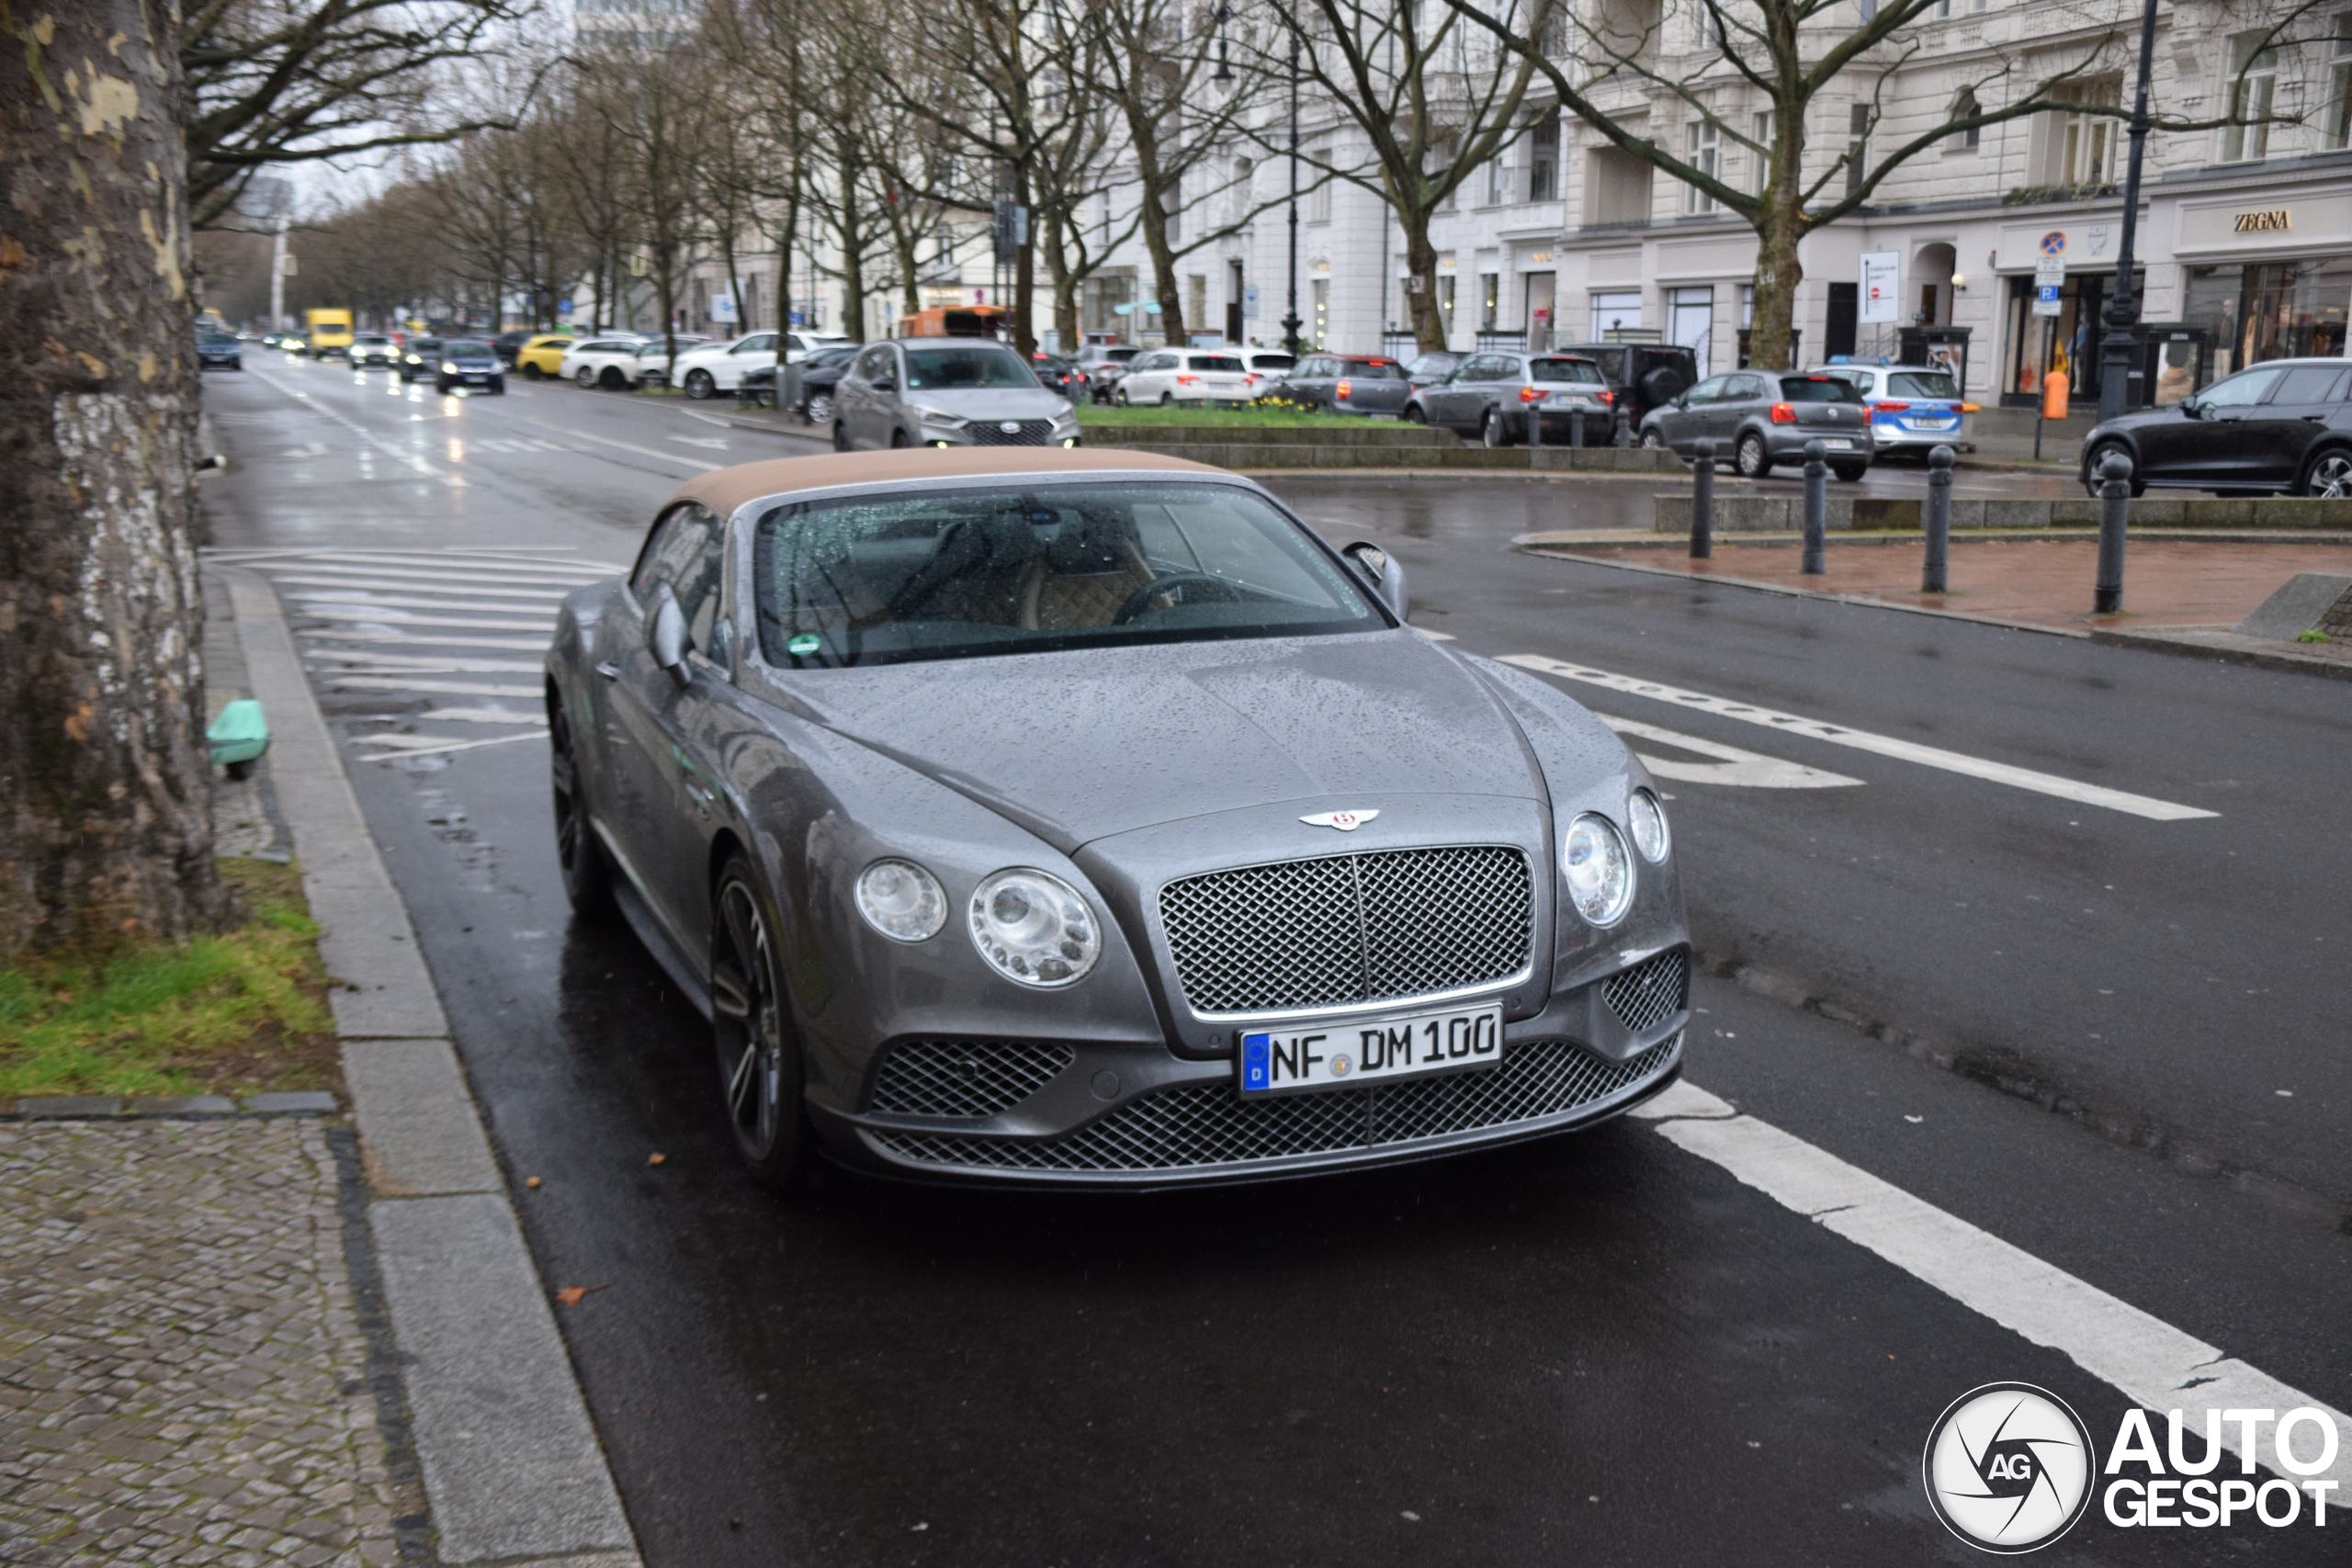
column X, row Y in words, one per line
column 2053, row 243
column 2045, row 299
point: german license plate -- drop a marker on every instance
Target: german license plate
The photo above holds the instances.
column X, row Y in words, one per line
column 1837, row 443
column 1324, row 1055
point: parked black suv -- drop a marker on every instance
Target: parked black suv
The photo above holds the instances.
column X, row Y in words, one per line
column 1644, row 376
column 2283, row 425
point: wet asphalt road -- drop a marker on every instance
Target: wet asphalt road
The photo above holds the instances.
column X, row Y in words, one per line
column 2075, row 1026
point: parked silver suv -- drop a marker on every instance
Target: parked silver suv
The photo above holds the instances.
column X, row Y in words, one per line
column 946, row 392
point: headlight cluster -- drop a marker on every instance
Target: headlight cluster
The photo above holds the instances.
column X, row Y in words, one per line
column 449, row 368
column 1032, row 928
column 935, row 416
column 1597, row 865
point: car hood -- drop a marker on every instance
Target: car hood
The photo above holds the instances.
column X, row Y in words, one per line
column 988, row 402
column 2138, row 422
column 1076, row 746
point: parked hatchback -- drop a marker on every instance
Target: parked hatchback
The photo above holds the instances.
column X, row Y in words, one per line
column 1491, row 393
column 2282, row 427
column 1914, row 408
column 1759, row 420
column 1167, row 376
column 1343, row 383
column 946, row 392
column 1640, row 376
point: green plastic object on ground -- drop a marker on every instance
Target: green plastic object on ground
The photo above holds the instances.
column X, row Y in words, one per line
column 238, row 737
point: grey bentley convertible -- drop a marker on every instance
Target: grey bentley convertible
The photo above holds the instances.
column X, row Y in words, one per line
column 1081, row 818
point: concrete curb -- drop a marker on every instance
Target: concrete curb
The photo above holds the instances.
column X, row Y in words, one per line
column 513, row 1472
column 2234, row 652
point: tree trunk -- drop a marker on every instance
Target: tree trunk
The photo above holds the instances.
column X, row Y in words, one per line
column 1420, row 263
column 1780, row 227
column 1065, row 281
column 1025, row 273
column 105, row 782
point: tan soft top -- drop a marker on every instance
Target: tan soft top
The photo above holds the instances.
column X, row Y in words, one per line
column 726, row 489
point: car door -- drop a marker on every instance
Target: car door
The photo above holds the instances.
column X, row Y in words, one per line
column 727, row 369
column 1681, row 423
column 2280, row 430
column 648, row 807
column 1455, row 402
column 1737, row 399
column 857, row 406
column 2209, row 446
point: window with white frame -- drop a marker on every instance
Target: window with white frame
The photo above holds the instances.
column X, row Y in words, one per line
column 1965, row 107
column 2254, row 86
column 1543, row 159
column 2335, row 125
column 1318, row 200
column 1498, row 189
column 2089, row 141
column 1759, row 130
column 1703, row 151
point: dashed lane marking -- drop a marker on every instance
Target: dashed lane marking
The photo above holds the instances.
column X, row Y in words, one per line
column 1863, row 740
column 625, row 446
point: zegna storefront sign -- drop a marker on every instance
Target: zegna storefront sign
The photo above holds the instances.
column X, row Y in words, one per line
column 2270, row 220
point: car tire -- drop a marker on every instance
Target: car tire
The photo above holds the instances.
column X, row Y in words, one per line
column 1749, row 460
column 585, row 378
column 2328, row 475
column 498, row 387
column 899, row 441
column 612, row 380
column 761, row 1077
column 1119, row 398
column 1491, row 432
column 2097, row 459
column 1653, row 440
column 1415, row 414
column 820, row 411
column 840, row 436
column 699, row 385
column 533, row 373
column 1166, row 399
column 587, row 876
column 1850, row 473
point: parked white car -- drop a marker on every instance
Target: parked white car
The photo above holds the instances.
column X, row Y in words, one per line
column 1266, row 364
column 1167, row 376
column 716, row 367
column 611, row 362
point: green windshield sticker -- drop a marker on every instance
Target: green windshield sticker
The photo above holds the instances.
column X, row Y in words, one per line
column 803, row 644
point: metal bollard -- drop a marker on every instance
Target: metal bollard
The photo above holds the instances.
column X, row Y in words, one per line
column 1702, row 498
column 1935, row 577
column 1535, row 427
column 1576, row 424
column 1817, row 508
column 2114, row 515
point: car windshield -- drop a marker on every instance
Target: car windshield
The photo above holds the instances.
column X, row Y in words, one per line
column 1275, row 361
column 466, row 348
column 968, row 573
column 1921, row 384
column 1563, row 369
column 947, row 369
column 1817, row 390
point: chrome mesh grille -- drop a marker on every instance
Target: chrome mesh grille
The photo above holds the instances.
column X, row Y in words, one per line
column 1343, row 929
column 1651, row 992
column 1211, row 1124
column 991, row 431
column 963, row 1078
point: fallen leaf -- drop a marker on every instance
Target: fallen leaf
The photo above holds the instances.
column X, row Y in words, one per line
column 573, row 1295
column 532, row 1181
column 655, row 1159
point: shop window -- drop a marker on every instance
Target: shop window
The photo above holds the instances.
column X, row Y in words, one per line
column 1445, row 304
column 2254, row 84
column 1690, row 323
column 1321, row 325
column 1490, row 300
column 1703, row 151
column 1613, row 311
column 2337, row 123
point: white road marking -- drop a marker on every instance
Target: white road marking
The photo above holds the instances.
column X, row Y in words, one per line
column 641, row 451
column 354, row 596
column 502, row 567
column 706, row 419
column 535, row 719
column 1863, row 740
column 408, row 458
column 411, row 582
column 430, row 747
column 379, row 615
column 2155, row 1364
column 1746, row 769
column 387, row 663
column 405, row 684
column 373, row 639
column 710, row 441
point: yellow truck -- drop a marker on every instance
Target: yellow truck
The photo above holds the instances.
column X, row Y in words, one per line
column 329, row 331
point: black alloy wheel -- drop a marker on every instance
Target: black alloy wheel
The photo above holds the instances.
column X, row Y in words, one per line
column 2092, row 480
column 2328, row 476
column 760, row 1070
column 699, row 385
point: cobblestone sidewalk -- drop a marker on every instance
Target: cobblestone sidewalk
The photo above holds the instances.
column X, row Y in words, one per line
column 183, row 1375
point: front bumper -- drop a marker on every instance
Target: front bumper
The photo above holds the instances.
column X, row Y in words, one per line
column 1087, row 1114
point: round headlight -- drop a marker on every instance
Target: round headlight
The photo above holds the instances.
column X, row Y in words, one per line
column 1034, row 929
column 901, row 900
column 1598, row 870
column 1646, row 818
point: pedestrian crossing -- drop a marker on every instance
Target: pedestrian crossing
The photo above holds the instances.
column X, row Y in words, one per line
column 443, row 646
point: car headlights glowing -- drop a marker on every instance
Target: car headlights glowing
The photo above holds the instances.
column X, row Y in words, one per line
column 1034, row 929
column 449, row 368
column 1598, row 869
column 1647, row 818
column 901, row 900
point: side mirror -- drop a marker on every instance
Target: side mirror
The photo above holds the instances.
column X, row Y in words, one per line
column 1683, row 401
column 665, row 635
column 1383, row 570
column 2192, row 409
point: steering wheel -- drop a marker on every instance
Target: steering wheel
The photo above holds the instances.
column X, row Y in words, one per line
column 1174, row 582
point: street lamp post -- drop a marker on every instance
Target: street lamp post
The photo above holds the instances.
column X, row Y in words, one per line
column 1291, row 322
column 2121, row 347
